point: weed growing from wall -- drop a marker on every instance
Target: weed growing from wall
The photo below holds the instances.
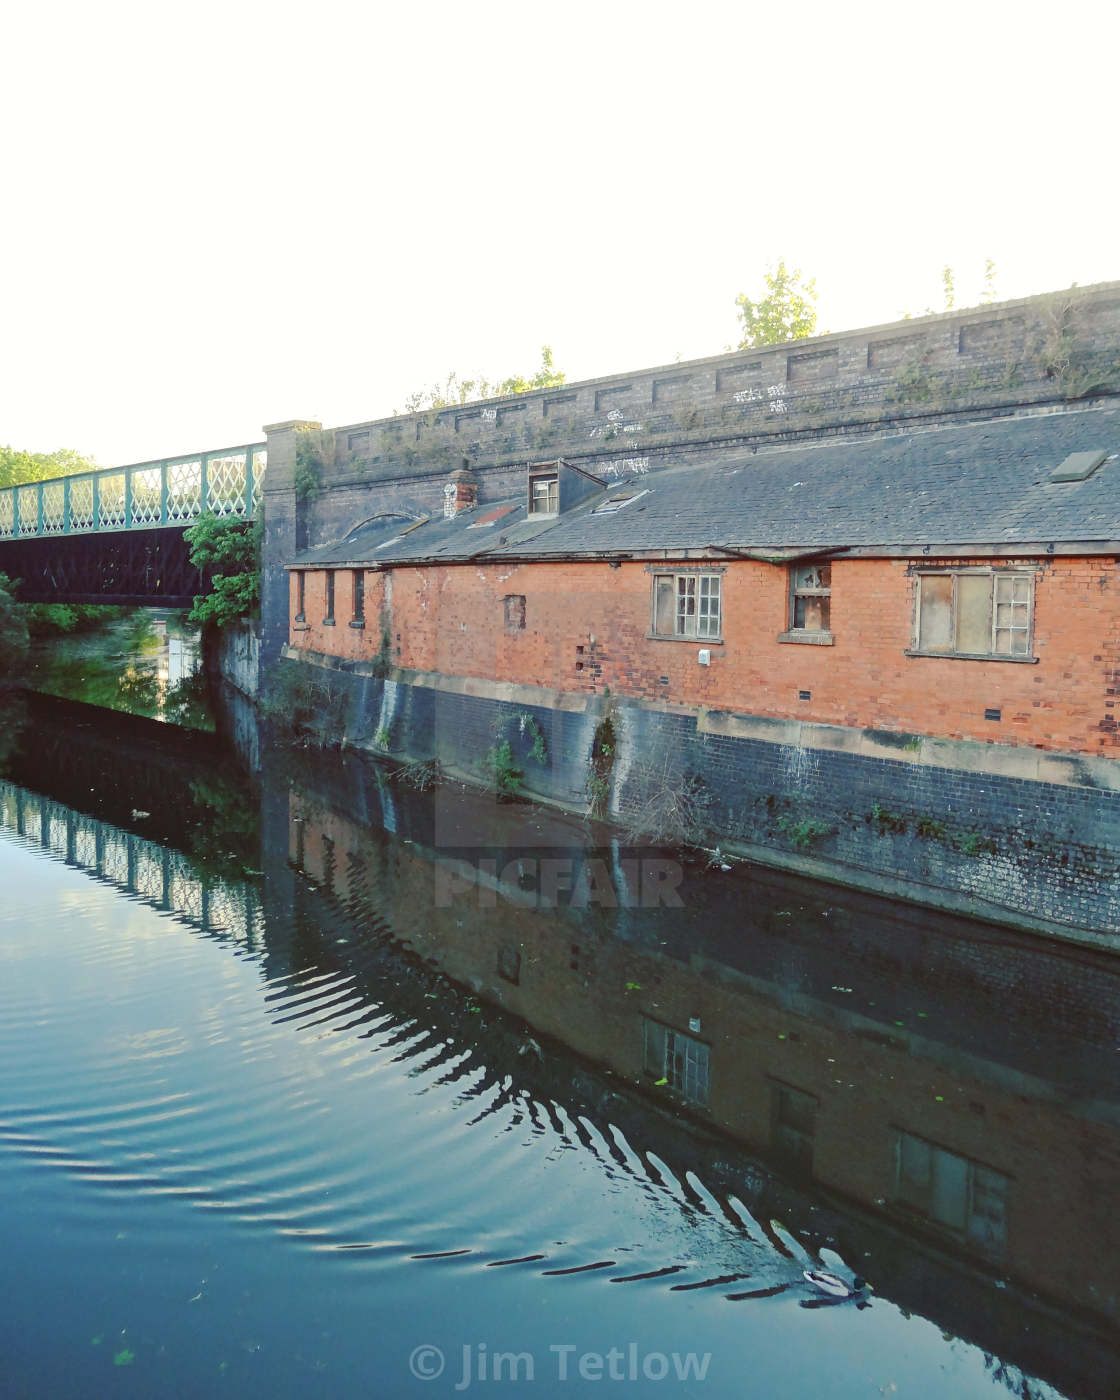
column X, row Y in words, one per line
column 601, row 764
column 804, row 833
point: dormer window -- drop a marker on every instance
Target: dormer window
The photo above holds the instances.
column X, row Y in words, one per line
column 544, row 494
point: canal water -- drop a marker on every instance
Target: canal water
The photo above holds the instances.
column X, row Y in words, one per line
column 314, row 1084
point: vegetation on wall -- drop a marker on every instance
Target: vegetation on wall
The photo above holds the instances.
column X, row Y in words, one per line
column 453, row 390
column 307, row 703
column 604, row 746
column 315, row 453
column 228, row 553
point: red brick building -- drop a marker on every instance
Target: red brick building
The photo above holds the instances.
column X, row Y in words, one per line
column 980, row 601
column 840, row 643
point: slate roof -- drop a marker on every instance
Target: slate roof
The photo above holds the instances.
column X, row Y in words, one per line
column 983, row 484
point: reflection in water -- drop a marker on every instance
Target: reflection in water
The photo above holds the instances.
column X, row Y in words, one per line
column 956, row 1080
column 408, row 1102
column 147, row 663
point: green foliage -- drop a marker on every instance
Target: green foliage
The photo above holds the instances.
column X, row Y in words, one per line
column 224, row 838
column 528, row 725
column 503, row 768
column 19, row 467
column 973, row 843
column 453, row 390
column 187, row 704
column 13, row 633
column 306, row 702
column 804, row 833
column 948, row 287
column 382, row 738
column 931, row 829
column 382, row 663
column 888, row 820
column 313, row 447
column 602, row 762
column 787, row 311
column 228, row 551
column 59, row 619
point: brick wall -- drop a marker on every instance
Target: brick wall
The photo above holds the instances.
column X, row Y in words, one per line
column 970, row 363
column 587, row 624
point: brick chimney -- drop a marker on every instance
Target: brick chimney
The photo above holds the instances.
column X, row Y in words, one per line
column 460, row 491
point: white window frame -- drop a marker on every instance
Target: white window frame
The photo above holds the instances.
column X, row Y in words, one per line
column 1001, row 580
column 551, row 482
column 682, row 1060
column 706, row 624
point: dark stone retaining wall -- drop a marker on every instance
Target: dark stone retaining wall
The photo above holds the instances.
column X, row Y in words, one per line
column 1035, row 854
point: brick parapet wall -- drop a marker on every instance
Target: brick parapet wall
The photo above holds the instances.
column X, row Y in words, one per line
column 1048, row 349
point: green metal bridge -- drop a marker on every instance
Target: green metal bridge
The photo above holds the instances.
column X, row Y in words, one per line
column 116, row 535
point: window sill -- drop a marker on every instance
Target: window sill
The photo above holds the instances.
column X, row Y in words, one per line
column 301, row 627
column 328, row 622
column 300, row 617
column 807, row 638
column 972, row 656
column 359, row 625
column 692, row 641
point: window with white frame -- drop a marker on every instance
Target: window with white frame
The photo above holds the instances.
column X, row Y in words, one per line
column 544, row 494
column 678, row 1059
column 952, row 1191
column 687, row 605
column 975, row 612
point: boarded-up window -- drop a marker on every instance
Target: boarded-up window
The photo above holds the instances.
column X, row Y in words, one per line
column 935, row 625
column 975, row 613
column 794, row 1124
column 952, row 1191
column 515, row 612
column 664, row 604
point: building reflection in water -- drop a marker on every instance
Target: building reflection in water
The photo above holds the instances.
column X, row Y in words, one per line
column 956, row 1080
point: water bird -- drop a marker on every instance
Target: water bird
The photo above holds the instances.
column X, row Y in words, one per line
column 833, row 1284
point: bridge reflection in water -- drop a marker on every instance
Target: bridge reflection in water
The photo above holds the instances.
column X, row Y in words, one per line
column 964, row 1159
column 155, row 874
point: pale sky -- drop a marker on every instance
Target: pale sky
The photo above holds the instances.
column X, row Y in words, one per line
column 221, row 215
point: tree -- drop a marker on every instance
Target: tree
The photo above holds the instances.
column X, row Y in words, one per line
column 228, row 551
column 17, row 467
column 455, row 391
column 13, row 633
column 787, row 312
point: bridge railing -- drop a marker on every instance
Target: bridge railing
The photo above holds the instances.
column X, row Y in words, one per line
column 173, row 491
column 154, row 874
